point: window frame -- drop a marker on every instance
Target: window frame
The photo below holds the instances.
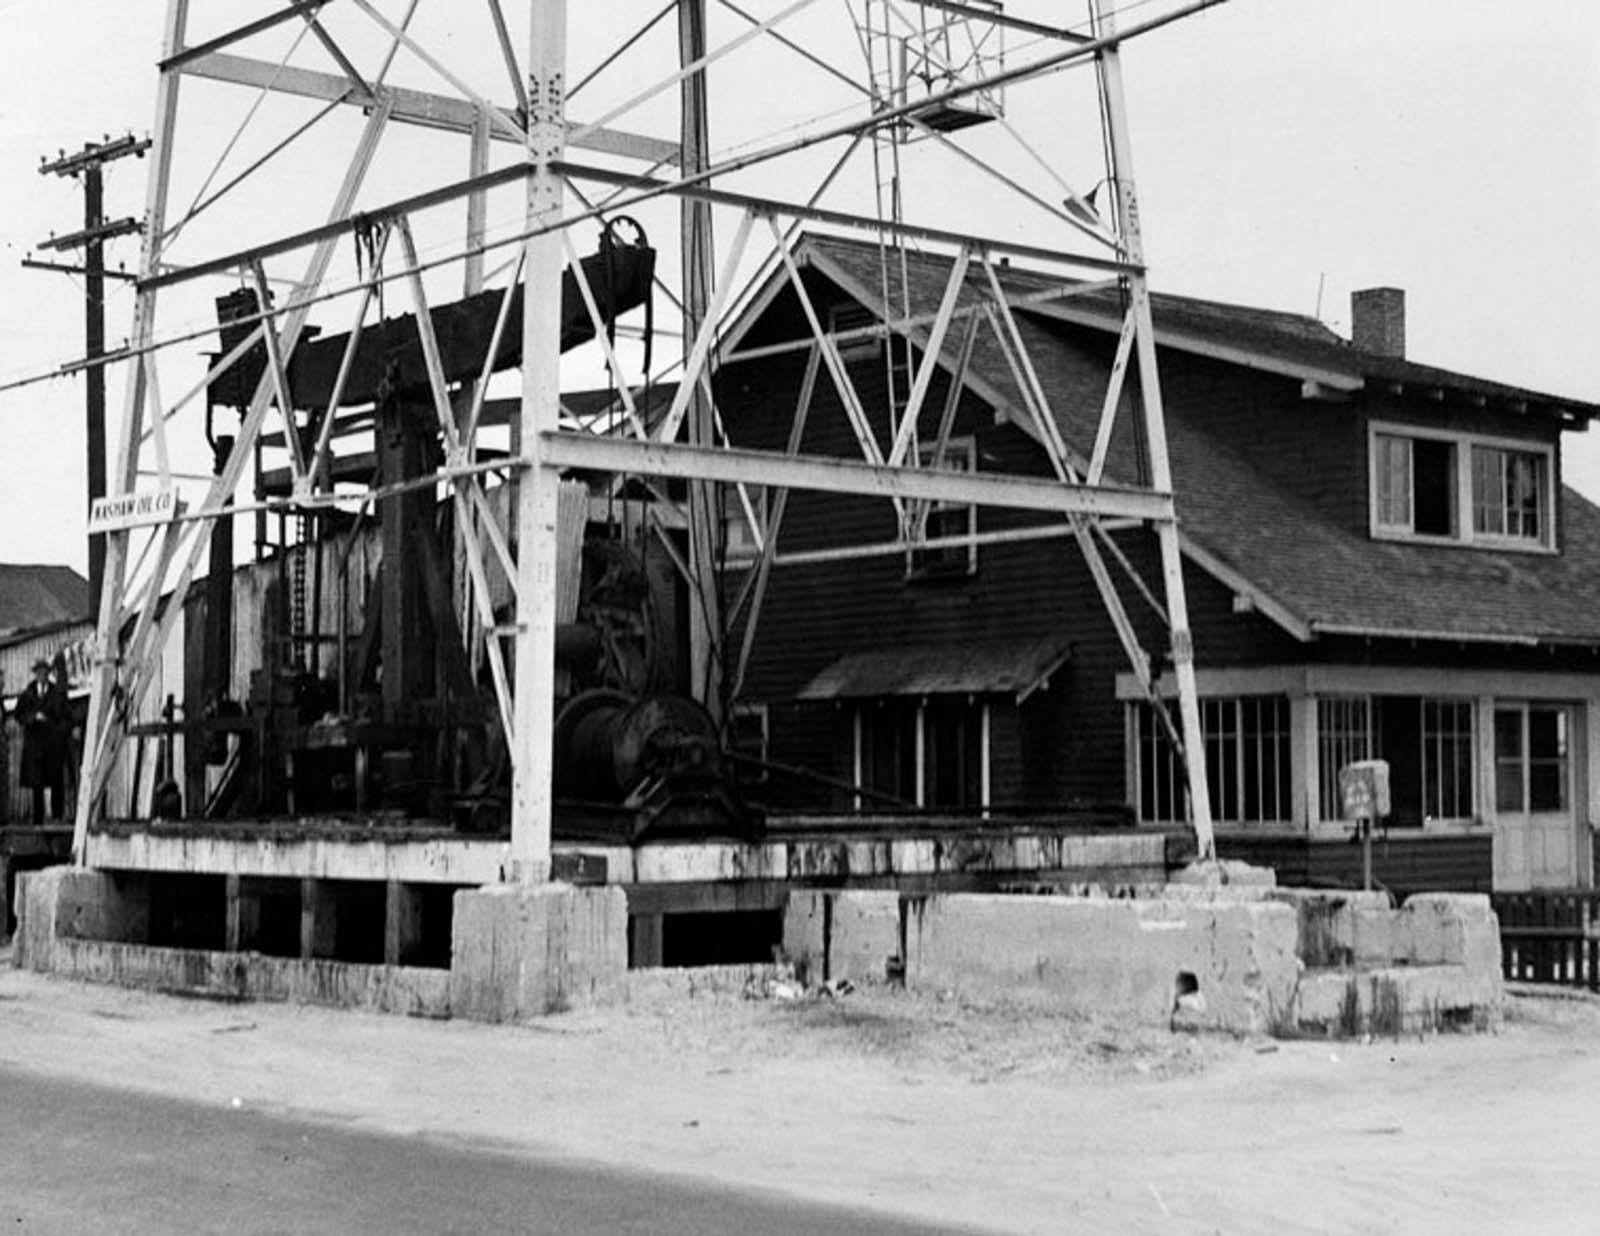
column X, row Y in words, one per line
column 740, row 547
column 1228, row 753
column 1464, row 496
column 924, row 776
column 1566, row 760
column 964, row 447
column 1362, row 738
column 762, row 714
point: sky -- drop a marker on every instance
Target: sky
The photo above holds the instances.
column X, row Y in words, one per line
column 1287, row 152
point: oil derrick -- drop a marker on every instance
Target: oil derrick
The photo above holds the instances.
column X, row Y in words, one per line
column 475, row 528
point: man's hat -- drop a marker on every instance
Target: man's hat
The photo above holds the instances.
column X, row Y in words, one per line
column 41, row 664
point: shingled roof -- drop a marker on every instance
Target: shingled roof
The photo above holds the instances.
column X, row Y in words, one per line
column 33, row 596
column 1310, row 573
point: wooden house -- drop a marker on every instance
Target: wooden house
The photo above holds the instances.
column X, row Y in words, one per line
column 1380, row 558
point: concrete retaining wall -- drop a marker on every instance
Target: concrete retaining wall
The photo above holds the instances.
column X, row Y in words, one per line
column 517, row 952
column 1233, row 962
column 1241, row 958
column 411, row 990
column 1245, row 959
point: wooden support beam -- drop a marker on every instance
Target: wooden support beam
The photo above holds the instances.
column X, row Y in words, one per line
column 644, row 941
column 402, row 924
column 319, row 919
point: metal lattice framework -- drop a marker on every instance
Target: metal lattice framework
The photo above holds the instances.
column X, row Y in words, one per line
column 567, row 172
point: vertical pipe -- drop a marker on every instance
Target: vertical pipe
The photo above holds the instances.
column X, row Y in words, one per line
column 705, row 523
column 94, row 330
column 539, row 488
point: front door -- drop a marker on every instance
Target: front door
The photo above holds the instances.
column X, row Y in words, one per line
column 1535, row 831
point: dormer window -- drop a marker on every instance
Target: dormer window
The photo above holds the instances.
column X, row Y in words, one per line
column 1459, row 489
column 1508, row 493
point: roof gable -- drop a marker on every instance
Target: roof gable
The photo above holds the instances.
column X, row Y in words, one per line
column 38, row 595
column 1256, row 536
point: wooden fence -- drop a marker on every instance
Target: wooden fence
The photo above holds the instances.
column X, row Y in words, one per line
column 1550, row 937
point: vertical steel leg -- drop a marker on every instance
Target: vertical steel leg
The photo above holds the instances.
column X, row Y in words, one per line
column 123, row 479
column 1156, row 439
column 539, row 486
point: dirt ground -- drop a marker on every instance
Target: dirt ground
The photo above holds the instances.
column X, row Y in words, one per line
column 1005, row 1121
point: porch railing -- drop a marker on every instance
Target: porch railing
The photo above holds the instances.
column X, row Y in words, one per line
column 1550, row 936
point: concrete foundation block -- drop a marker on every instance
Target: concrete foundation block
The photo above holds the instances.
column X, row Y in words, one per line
column 1457, row 929
column 864, row 936
column 1377, row 937
column 805, row 930
column 842, row 935
column 1396, row 1000
column 1234, row 964
column 528, row 951
column 1224, row 874
column 73, row 903
column 1328, row 921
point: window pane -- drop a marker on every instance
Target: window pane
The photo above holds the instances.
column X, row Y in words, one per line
column 1446, row 759
column 1508, row 492
column 1488, row 514
column 889, row 749
column 1547, row 785
column 1433, row 477
column 953, row 738
column 1394, row 481
column 948, row 519
column 1344, row 728
column 1547, row 733
column 1507, row 733
column 1264, row 757
column 1508, row 785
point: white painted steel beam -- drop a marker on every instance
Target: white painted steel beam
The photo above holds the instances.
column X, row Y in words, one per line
column 418, row 107
column 538, row 494
column 848, row 476
column 126, row 476
column 1156, row 438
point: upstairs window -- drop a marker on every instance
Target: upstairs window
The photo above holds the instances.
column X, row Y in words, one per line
column 1508, row 493
column 1416, row 485
column 946, row 519
column 1456, row 488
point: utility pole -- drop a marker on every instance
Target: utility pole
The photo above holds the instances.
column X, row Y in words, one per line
column 96, row 231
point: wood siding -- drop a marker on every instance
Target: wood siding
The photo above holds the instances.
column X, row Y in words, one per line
column 1404, row 864
column 1065, row 743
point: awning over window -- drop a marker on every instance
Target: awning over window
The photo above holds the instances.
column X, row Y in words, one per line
column 1017, row 667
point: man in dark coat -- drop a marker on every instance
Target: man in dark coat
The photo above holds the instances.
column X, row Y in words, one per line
column 39, row 712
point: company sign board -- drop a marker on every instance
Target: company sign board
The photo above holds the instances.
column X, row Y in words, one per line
column 132, row 511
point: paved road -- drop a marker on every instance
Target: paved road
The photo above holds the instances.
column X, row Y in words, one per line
column 76, row 1158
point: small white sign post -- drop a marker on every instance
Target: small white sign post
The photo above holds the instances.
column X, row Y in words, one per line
column 1364, row 794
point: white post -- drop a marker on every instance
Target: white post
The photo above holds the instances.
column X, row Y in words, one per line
column 1156, row 440
column 538, row 489
column 122, row 481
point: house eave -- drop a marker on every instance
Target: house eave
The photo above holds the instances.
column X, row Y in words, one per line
column 1322, row 380
column 1426, row 635
column 1262, row 601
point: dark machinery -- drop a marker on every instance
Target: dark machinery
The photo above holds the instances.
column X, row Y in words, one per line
column 394, row 721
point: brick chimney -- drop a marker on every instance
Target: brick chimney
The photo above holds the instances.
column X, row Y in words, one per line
column 1378, row 321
